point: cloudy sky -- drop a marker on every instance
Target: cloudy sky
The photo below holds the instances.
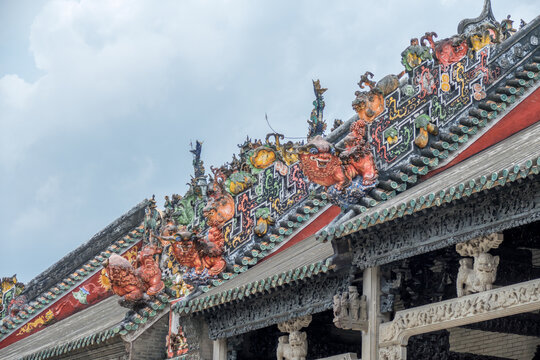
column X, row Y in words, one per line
column 99, row 99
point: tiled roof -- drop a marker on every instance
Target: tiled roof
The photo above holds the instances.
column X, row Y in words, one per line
column 10, row 324
column 285, row 229
column 92, row 325
column 300, row 262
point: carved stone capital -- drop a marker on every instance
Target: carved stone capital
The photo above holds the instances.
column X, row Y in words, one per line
column 295, row 324
column 479, row 245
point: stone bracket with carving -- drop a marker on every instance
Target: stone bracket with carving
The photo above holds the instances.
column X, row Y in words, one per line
column 350, row 310
column 480, row 275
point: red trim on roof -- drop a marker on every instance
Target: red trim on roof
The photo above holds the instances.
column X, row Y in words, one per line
column 321, row 221
column 522, row 116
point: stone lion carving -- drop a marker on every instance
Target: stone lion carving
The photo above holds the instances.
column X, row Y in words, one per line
column 293, row 346
column 480, row 277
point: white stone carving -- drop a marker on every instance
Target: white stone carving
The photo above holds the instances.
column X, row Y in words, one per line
column 479, row 245
column 480, row 276
column 346, row 356
column 293, row 346
column 350, row 310
column 496, row 303
column 394, row 352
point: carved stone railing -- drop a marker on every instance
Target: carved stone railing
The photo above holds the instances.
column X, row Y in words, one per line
column 492, row 304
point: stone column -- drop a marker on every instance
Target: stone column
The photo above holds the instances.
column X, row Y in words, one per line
column 371, row 289
column 220, row 349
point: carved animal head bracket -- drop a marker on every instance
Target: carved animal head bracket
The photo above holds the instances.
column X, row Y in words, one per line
column 350, row 310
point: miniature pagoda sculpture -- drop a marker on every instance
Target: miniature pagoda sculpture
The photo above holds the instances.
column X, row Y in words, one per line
column 350, row 310
column 480, row 276
column 293, row 346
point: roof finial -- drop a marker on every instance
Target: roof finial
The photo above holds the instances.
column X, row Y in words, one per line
column 197, row 162
column 486, row 16
column 317, row 125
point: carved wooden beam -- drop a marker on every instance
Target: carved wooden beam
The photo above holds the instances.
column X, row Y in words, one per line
column 492, row 304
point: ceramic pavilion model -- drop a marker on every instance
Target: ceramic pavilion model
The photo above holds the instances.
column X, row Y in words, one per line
column 409, row 231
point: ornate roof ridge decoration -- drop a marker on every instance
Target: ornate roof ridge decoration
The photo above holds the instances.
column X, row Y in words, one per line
column 10, row 299
column 446, row 100
column 496, row 303
column 34, row 307
column 96, row 244
column 434, row 199
column 438, row 146
column 254, row 288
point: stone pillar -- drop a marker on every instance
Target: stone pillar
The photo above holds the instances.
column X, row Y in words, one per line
column 371, row 289
column 220, row 349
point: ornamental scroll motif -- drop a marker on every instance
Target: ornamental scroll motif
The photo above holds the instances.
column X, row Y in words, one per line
column 505, row 301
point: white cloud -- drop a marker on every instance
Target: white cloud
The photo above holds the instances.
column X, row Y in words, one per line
column 14, row 91
column 126, row 85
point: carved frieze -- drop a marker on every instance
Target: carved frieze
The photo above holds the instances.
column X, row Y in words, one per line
column 303, row 298
column 494, row 211
column 509, row 300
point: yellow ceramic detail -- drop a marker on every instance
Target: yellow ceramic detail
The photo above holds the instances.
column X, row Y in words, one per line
column 262, row 158
column 480, row 41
